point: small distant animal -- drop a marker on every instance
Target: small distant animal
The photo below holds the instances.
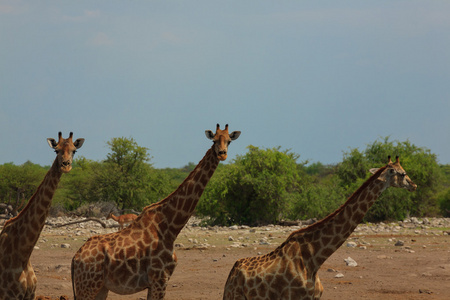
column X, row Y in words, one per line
column 123, row 219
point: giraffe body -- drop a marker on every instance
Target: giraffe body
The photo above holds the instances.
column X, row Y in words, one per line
column 275, row 275
column 290, row 271
column 21, row 233
column 142, row 256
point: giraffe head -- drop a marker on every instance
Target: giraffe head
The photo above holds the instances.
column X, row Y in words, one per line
column 394, row 175
column 221, row 140
column 65, row 150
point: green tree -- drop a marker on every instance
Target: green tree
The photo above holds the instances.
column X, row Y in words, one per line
column 19, row 183
column 80, row 185
column 123, row 177
column 318, row 198
column 257, row 188
column 443, row 197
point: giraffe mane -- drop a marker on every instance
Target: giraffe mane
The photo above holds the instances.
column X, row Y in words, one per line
column 352, row 197
column 189, row 177
column 29, row 203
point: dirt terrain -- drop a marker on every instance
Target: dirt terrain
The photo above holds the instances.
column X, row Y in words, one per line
column 418, row 269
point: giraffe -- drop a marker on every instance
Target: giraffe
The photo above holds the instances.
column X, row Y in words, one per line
column 123, row 219
column 290, row 271
column 21, row 233
column 142, row 256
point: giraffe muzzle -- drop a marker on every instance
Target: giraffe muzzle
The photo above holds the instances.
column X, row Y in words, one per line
column 412, row 187
column 222, row 155
column 66, row 166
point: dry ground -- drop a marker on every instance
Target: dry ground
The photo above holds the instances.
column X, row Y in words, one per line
column 384, row 271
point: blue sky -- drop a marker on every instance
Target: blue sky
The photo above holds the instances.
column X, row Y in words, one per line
column 316, row 77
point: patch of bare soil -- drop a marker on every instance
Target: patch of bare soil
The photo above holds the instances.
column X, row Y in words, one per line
column 420, row 269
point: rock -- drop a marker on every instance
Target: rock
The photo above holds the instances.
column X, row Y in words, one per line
column 230, row 238
column 264, row 241
column 65, row 245
column 331, row 270
column 350, row 262
column 351, row 244
column 339, row 275
column 234, row 227
column 383, row 257
column 399, row 243
column 309, row 222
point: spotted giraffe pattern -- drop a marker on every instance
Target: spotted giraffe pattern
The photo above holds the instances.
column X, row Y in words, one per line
column 21, row 233
column 142, row 256
column 290, row 271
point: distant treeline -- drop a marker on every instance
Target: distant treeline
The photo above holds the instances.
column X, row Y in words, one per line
column 262, row 186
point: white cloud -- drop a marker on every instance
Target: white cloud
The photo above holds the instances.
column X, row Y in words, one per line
column 13, row 7
column 91, row 13
column 100, row 39
column 6, row 9
column 171, row 37
column 85, row 16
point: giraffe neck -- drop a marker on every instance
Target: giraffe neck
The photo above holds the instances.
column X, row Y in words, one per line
column 179, row 206
column 319, row 241
column 28, row 224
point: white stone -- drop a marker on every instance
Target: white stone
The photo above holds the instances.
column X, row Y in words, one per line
column 351, row 244
column 350, row 262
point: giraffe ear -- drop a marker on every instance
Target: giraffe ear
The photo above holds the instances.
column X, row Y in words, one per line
column 374, row 170
column 78, row 143
column 234, row 135
column 52, row 143
column 209, row 134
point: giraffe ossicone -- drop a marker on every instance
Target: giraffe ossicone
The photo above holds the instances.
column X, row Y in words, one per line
column 21, row 233
column 142, row 256
column 290, row 271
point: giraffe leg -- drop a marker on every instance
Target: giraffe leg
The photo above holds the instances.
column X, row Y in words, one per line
column 318, row 288
column 28, row 281
column 102, row 294
column 157, row 291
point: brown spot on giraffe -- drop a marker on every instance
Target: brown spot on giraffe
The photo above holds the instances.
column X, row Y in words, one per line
column 153, row 260
column 290, row 271
column 21, row 233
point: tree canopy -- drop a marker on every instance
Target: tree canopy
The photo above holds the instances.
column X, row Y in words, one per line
column 262, row 186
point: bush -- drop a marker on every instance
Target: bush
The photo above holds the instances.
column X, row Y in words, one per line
column 256, row 189
column 318, row 200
